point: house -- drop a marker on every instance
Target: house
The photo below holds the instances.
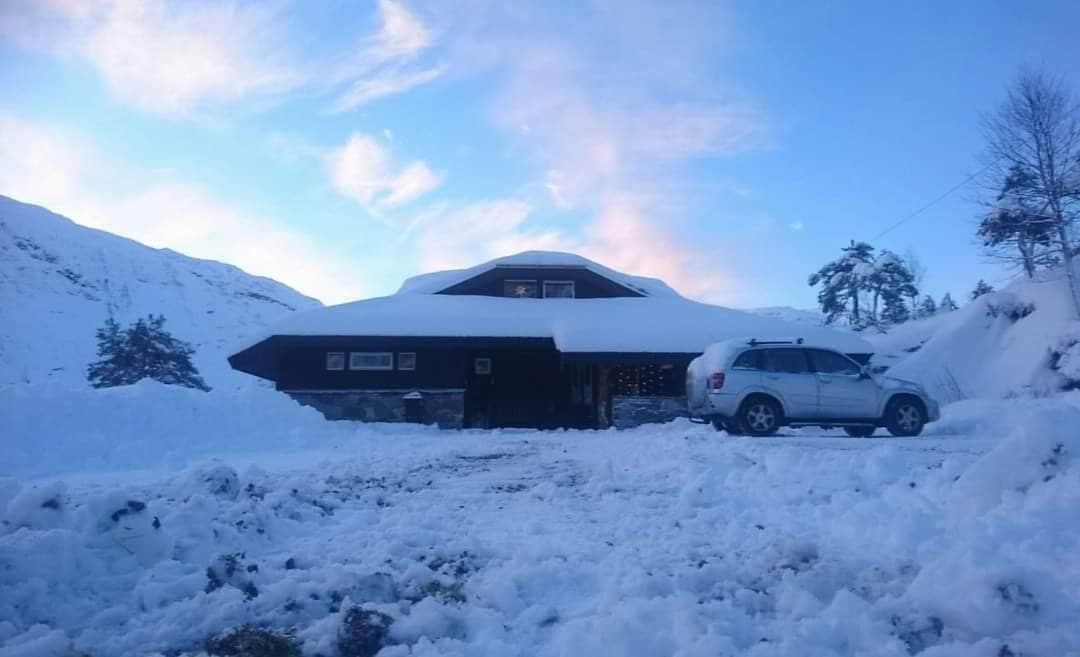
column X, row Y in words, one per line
column 537, row 339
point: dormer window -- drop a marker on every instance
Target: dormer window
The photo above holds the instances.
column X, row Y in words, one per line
column 520, row 289
column 559, row 289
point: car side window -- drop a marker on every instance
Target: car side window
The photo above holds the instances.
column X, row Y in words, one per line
column 748, row 360
column 830, row 362
column 788, row 361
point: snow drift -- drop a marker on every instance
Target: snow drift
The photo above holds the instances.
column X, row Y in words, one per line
column 1001, row 344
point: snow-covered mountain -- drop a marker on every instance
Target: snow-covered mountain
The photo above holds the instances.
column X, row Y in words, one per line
column 789, row 314
column 59, row 282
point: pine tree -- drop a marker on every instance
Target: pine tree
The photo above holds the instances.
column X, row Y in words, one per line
column 145, row 350
column 891, row 283
column 927, row 307
column 1016, row 221
column 842, row 280
column 947, row 304
column 981, row 288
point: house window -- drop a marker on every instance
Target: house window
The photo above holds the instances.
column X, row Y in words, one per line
column 335, row 360
column 482, row 366
column 406, row 360
column 520, row 289
column 558, row 289
column 371, row 360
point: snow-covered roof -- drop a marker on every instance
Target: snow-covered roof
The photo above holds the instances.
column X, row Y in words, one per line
column 665, row 324
column 438, row 281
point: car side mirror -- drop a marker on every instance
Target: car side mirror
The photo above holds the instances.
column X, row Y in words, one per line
column 864, row 372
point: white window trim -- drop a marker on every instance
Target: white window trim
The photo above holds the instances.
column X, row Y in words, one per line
column 344, row 361
column 388, row 354
column 522, row 280
column 573, row 288
column 406, row 353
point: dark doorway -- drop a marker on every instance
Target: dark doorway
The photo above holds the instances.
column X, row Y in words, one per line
column 522, row 388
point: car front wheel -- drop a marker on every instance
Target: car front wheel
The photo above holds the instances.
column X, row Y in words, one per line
column 905, row 417
column 759, row 416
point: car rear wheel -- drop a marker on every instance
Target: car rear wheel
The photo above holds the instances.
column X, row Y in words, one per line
column 860, row 432
column 905, row 417
column 759, row 416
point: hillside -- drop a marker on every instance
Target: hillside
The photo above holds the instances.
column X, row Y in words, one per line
column 59, row 282
column 1019, row 341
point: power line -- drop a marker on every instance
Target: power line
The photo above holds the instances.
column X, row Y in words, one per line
column 929, row 205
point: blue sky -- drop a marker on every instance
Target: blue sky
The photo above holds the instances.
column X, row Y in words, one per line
column 729, row 148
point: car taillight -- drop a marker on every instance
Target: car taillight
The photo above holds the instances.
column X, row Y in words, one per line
column 717, row 380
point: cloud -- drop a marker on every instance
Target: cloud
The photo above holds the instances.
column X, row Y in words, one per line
column 379, row 85
column 175, row 58
column 610, row 122
column 49, row 167
column 620, row 238
column 362, row 170
column 402, row 34
column 383, row 63
column 796, row 225
column 165, row 58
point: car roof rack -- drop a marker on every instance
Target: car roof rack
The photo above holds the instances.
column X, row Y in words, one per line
column 753, row 342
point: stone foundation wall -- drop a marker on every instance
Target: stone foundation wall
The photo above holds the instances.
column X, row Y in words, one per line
column 445, row 408
column 629, row 412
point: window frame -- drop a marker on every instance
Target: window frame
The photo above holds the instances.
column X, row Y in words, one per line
column 401, row 367
column 344, row 361
column 510, row 281
column 476, row 366
column 355, row 368
column 572, row 284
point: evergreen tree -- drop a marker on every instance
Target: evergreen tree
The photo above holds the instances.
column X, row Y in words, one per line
column 841, row 282
column 981, row 288
column 947, row 304
column 927, row 307
column 1016, row 220
column 145, row 350
column 890, row 284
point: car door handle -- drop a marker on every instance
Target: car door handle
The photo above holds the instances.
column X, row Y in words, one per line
column 826, row 381
column 773, row 377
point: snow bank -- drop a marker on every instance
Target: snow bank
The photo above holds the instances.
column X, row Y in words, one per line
column 996, row 346
column 663, row 540
column 49, row 429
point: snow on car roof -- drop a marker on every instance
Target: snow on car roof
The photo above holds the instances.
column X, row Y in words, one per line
column 666, row 324
column 435, row 282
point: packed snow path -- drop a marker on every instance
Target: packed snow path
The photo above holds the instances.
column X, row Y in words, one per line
column 665, row 540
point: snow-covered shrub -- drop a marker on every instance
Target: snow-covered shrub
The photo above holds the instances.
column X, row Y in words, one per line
column 247, row 641
column 1004, row 304
column 1065, row 359
column 363, row 632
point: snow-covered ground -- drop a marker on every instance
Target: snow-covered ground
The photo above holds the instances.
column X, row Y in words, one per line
column 663, row 540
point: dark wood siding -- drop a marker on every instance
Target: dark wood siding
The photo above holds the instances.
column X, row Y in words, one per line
column 587, row 285
column 440, row 362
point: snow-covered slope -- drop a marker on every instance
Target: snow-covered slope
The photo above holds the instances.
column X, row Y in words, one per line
column 996, row 346
column 59, row 281
column 789, row 314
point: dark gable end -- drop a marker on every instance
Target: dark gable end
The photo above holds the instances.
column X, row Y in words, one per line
column 587, row 284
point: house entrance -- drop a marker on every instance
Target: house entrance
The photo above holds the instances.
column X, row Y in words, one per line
column 525, row 388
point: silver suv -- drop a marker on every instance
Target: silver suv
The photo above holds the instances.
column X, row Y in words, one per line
column 755, row 387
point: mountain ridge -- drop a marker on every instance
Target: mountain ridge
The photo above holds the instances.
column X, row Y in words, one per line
column 59, row 281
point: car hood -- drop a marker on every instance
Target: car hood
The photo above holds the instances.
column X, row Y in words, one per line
column 893, row 383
